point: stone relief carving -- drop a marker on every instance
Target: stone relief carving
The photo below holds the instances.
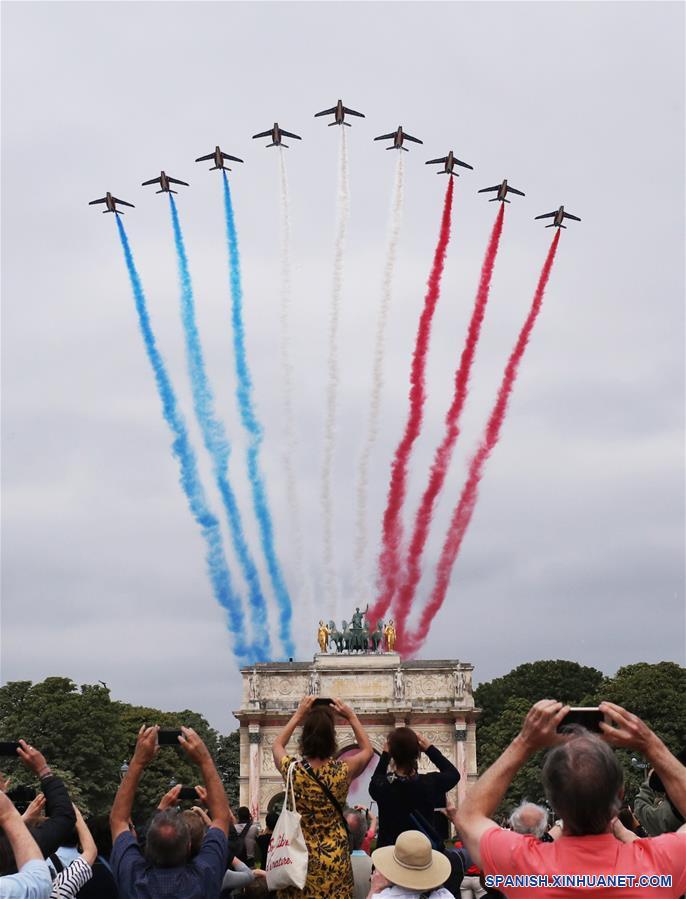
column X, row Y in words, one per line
column 280, row 687
column 428, row 686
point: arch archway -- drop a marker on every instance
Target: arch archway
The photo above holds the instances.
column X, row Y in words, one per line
column 358, row 793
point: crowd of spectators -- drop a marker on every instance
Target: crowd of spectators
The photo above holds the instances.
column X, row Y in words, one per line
column 596, row 845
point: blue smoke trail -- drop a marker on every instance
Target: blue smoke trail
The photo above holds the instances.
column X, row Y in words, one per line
column 215, row 439
column 254, row 429
column 190, row 482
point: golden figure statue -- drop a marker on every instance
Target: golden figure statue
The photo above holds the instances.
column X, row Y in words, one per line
column 389, row 633
column 323, row 634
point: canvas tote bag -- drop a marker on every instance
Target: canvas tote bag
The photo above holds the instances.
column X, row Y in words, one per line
column 287, row 855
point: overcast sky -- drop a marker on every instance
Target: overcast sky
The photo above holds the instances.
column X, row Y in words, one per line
column 576, row 548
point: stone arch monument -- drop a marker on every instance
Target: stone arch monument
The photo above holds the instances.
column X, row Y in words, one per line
column 432, row 696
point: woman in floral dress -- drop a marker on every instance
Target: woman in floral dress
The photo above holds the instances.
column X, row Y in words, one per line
column 329, row 872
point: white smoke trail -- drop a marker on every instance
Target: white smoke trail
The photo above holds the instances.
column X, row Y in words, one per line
column 289, row 448
column 343, row 214
column 377, row 384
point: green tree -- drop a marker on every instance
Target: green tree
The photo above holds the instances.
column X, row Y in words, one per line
column 86, row 738
column 656, row 693
column 506, row 700
column 228, row 761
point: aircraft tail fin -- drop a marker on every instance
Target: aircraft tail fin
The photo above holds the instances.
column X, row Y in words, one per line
column 507, row 201
column 332, row 123
column 347, row 124
column 159, row 191
column 271, row 145
column 285, row 146
column 405, row 149
column 495, row 200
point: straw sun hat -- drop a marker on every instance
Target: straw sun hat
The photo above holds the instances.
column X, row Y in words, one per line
column 412, row 863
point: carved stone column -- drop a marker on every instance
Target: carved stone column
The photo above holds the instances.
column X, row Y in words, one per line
column 461, row 758
column 255, row 767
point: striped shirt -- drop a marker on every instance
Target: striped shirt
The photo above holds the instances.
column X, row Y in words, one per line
column 69, row 881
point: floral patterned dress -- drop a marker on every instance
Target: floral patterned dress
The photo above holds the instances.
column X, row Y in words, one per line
column 329, row 872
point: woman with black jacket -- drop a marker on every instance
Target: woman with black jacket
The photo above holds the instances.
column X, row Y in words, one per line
column 403, row 792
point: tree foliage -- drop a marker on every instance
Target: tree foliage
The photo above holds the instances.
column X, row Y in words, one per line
column 87, row 738
column 653, row 692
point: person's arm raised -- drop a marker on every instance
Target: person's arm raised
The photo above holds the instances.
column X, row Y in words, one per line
column 297, row 718
column 146, row 748
column 359, row 760
column 473, row 818
column 217, row 802
column 627, row 731
column 24, row 847
column 89, row 851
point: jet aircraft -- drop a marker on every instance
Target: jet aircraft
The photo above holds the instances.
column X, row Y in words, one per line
column 276, row 135
column 398, row 137
column 339, row 110
column 557, row 217
column 164, row 181
column 503, row 189
column 218, row 158
column 449, row 162
column 111, row 202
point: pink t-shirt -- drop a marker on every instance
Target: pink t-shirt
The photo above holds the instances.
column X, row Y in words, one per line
column 611, row 869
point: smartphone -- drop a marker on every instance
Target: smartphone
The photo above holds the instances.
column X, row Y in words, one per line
column 589, row 718
column 168, row 737
column 321, row 701
column 8, row 748
column 188, row 793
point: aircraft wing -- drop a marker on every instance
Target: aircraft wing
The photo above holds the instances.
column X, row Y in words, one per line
column 465, row 164
column 385, row 136
column 152, row 181
column 325, row 112
column 546, row 215
column 205, row 158
column 515, row 191
column 290, row 134
column 434, row 161
column 123, row 202
column 409, row 137
column 353, row 112
column 226, row 156
column 176, row 181
column 263, row 134
column 568, row 215
column 93, row 202
column 486, row 189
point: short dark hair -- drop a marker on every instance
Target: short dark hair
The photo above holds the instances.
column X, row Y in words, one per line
column 244, row 816
column 403, row 746
column 271, row 820
column 196, row 829
column 168, row 840
column 318, row 738
column 583, row 782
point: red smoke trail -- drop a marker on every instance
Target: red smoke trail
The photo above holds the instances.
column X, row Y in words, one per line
column 465, row 507
column 392, row 521
column 444, row 452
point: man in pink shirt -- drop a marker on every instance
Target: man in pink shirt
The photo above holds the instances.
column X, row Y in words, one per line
column 584, row 785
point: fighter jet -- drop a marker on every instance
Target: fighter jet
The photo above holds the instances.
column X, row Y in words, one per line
column 164, row 181
column 276, row 134
column 449, row 162
column 557, row 217
column 339, row 110
column 398, row 137
column 502, row 189
column 111, row 203
column 218, row 158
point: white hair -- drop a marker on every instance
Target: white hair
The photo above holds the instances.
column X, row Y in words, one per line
column 529, row 818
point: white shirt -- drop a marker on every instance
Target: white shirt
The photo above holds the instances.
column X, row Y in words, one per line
column 396, row 892
column 32, row 882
